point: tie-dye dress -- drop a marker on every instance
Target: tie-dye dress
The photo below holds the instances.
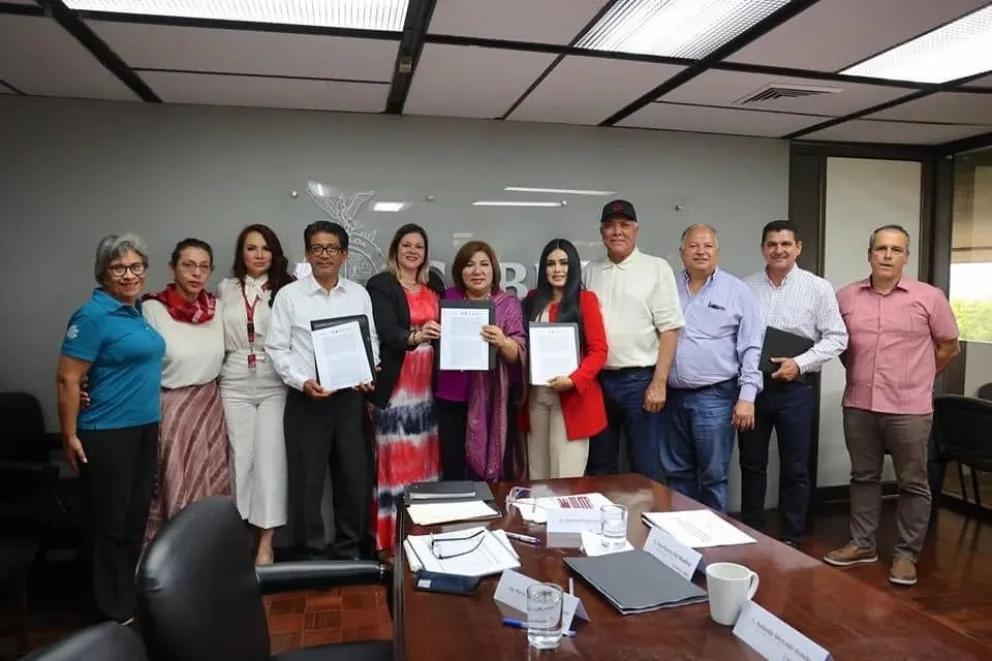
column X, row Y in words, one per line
column 405, row 430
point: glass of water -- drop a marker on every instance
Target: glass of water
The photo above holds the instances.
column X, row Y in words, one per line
column 544, row 616
column 613, row 526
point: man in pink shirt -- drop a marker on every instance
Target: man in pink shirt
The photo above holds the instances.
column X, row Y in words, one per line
column 902, row 334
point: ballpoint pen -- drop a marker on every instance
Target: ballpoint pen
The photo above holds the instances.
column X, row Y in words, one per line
column 527, row 539
column 510, row 622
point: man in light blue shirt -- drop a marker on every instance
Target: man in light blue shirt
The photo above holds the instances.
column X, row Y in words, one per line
column 715, row 377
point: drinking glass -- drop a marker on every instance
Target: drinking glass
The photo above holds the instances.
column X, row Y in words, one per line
column 544, row 616
column 613, row 526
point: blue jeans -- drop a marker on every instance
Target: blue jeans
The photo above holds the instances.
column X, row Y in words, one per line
column 698, row 441
column 788, row 409
column 623, row 393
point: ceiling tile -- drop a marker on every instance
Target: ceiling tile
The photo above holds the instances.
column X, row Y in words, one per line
column 835, row 34
column 243, row 51
column 724, row 88
column 566, row 96
column 216, row 90
column 39, row 57
column 460, row 81
column 717, row 120
column 895, row 132
column 949, row 107
column 981, row 82
column 536, row 21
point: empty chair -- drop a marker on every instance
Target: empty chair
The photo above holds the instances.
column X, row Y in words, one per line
column 961, row 434
column 104, row 642
column 200, row 594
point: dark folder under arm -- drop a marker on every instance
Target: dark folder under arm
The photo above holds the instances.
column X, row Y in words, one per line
column 635, row 581
column 781, row 344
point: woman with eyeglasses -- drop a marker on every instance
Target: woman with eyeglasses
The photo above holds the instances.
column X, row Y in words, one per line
column 192, row 446
column 253, row 394
column 112, row 442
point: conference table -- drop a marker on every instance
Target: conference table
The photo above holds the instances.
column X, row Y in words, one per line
column 849, row 618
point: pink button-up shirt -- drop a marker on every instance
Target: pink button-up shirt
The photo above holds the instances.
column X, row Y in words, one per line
column 890, row 357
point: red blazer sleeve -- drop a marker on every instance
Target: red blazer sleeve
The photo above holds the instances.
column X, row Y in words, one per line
column 595, row 357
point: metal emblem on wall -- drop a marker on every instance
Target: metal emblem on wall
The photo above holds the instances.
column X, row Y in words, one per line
column 365, row 258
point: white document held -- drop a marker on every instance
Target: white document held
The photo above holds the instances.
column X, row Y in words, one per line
column 553, row 351
column 339, row 352
column 462, row 345
column 698, row 529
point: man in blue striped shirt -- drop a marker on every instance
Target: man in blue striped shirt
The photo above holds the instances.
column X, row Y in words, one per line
column 715, row 377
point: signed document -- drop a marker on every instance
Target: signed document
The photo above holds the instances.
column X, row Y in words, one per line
column 342, row 350
column 462, row 345
column 553, row 350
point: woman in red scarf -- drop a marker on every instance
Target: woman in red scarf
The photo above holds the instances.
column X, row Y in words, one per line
column 192, row 435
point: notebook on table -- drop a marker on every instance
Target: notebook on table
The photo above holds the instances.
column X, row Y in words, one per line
column 447, row 492
column 432, row 503
column 635, row 581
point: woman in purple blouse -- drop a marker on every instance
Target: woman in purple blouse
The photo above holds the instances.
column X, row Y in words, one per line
column 472, row 407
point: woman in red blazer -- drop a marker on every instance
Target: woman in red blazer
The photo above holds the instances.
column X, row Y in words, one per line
column 561, row 416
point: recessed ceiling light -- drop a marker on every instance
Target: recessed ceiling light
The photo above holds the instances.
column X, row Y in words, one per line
column 388, row 207
column 675, row 28
column 513, row 203
column 957, row 50
column 558, row 191
column 387, row 15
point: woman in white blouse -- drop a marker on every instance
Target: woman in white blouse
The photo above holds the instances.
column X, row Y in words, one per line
column 254, row 396
column 192, row 446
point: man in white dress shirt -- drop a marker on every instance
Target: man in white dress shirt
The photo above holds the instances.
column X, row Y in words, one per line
column 323, row 428
column 642, row 314
column 799, row 302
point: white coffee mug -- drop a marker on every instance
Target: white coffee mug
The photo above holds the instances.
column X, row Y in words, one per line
column 729, row 586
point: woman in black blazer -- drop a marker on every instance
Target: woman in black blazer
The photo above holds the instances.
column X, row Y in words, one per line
column 406, row 305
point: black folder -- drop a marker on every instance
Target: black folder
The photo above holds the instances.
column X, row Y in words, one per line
column 635, row 581
column 781, row 344
column 448, row 492
column 363, row 328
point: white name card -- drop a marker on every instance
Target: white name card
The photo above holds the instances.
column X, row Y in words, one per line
column 574, row 520
column 672, row 553
column 774, row 639
column 512, row 591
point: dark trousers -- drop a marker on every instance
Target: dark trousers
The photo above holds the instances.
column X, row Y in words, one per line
column 321, row 434
column 118, row 478
column 452, row 421
column 788, row 409
column 698, row 441
column 623, row 393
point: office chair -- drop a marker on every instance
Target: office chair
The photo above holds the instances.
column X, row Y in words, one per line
column 107, row 642
column 200, row 595
column 961, row 434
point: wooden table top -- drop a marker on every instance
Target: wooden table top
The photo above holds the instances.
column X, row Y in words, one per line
column 851, row 619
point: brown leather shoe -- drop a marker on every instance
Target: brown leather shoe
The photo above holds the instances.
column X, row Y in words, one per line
column 849, row 555
column 903, row 571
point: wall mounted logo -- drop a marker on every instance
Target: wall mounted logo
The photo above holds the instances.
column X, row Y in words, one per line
column 365, row 258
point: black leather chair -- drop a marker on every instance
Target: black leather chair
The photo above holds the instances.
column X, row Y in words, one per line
column 103, row 642
column 960, row 434
column 200, row 595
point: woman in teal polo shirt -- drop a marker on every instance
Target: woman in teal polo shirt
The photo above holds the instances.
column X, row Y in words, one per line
column 113, row 442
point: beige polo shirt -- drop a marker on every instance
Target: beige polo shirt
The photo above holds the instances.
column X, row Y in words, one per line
column 639, row 300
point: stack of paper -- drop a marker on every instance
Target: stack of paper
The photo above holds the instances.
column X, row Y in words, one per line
column 477, row 552
column 429, row 514
column 431, row 503
column 697, row 529
column 535, row 510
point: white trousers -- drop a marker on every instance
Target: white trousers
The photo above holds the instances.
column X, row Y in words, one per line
column 253, row 406
column 549, row 452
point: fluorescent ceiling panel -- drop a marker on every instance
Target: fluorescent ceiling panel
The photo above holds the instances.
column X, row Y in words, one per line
column 959, row 49
column 559, row 191
column 387, row 15
column 388, row 207
column 676, row 28
column 513, row 203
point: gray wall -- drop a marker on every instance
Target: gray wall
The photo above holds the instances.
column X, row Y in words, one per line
column 72, row 171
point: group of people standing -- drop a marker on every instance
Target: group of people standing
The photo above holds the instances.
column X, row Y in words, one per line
column 168, row 397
